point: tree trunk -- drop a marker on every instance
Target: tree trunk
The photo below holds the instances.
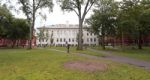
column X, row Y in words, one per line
column 103, row 42
column 40, row 43
column 31, row 35
column 80, row 42
column 17, row 42
column 114, row 41
column 32, row 26
column 13, row 43
column 30, row 40
column 140, row 41
column 103, row 38
column 122, row 39
column 99, row 40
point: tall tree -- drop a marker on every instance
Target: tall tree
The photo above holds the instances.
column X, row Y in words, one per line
column 103, row 21
column 133, row 18
column 144, row 21
column 5, row 20
column 30, row 8
column 18, row 29
column 81, row 8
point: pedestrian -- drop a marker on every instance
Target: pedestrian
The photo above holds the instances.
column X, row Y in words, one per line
column 68, row 47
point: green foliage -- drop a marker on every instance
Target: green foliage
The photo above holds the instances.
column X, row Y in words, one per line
column 4, row 11
column 128, row 18
column 12, row 28
column 5, row 20
column 133, row 20
column 71, row 5
column 103, row 21
column 19, row 29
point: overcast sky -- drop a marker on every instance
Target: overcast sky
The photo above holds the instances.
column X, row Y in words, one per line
column 55, row 17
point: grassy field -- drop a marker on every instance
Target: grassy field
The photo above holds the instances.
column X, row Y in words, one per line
column 74, row 50
column 143, row 54
column 43, row 64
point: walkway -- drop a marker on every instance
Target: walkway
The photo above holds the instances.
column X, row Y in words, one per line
column 124, row 59
column 113, row 57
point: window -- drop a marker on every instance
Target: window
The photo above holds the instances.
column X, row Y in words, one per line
column 87, row 34
column 57, row 40
column 87, row 39
column 60, row 39
column 46, row 40
column 82, row 40
column 94, row 39
column 91, row 40
column 64, row 40
column 91, row 34
column 72, row 40
column 69, row 40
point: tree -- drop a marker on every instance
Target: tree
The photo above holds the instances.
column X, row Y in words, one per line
column 5, row 20
column 144, row 22
column 127, row 22
column 30, row 8
column 103, row 21
column 18, row 29
column 81, row 8
column 133, row 18
column 12, row 28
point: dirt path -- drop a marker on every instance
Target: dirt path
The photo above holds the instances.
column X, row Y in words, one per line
column 124, row 59
column 113, row 57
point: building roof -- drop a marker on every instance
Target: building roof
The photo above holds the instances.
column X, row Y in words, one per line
column 61, row 26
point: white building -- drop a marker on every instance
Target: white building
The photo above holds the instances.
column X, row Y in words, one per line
column 59, row 34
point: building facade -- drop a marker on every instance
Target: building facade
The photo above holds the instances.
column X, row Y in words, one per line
column 60, row 34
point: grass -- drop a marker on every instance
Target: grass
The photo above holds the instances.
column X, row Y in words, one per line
column 143, row 54
column 43, row 64
column 74, row 50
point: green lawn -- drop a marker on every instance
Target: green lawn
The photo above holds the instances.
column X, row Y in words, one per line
column 143, row 54
column 74, row 50
column 44, row 64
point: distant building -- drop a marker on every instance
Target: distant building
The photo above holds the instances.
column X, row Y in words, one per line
column 60, row 34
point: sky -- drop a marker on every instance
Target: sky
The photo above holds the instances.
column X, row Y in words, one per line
column 55, row 17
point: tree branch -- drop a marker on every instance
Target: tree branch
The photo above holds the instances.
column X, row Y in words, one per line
column 84, row 13
column 76, row 12
column 86, row 9
column 74, row 4
column 78, row 7
column 90, row 7
column 38, row 5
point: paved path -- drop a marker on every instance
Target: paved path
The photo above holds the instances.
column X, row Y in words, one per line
column 110, row 56
column 124, row 59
